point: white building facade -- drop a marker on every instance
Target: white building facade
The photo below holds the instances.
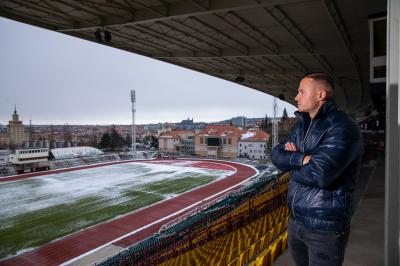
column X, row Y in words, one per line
column 253, row 145
column 29, row 156
column 252, row 149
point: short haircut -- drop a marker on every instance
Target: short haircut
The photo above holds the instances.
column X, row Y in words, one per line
column 325, row 79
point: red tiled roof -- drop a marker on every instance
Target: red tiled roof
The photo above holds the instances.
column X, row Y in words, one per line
column 220, row 130
column 255, row 135
column 175, row 134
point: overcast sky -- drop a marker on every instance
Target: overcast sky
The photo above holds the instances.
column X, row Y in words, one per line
column 57, row 79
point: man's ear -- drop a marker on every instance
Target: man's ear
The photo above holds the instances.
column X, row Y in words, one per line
column 322, row 95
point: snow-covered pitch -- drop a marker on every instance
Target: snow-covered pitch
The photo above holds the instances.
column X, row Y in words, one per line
column 37, row 210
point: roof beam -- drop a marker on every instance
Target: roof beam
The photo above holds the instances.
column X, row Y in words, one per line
column 224, row 39
column 182, row 9
column 296, row 63
column 275, row 70
column 48, row 11
column 217, row 51
column 249, row 30
column 127, row 45
column 247, row 68
column 33, row 19
column 161, row 11
column 145, row 42
column 262, row 51
column 231, row 76
column 81, row 7
column 284, row 20
column 344, row 35
column 165, row 38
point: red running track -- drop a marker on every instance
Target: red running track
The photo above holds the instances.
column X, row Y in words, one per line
column 84, row 241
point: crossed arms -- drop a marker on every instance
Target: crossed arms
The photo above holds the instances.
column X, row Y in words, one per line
column 340, row 146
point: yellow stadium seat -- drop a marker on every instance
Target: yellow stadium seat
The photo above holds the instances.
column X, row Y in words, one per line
column 244, row 257
column 254, row 249
column 276, row 249
column 284, row 241
column 234, row 262
column 264, row 259
column 267, row 235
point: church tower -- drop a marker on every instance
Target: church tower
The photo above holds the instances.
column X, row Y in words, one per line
column 16, row 131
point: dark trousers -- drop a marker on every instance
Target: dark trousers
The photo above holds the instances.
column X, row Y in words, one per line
column 316, row 248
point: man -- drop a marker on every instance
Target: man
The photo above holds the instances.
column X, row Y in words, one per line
column 323, row 154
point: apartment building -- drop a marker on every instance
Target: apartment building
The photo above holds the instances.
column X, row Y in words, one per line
column 217, row 141
column 253, row 144
column 176, row 141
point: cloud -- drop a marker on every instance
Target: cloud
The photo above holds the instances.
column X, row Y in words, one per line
column 54, row 78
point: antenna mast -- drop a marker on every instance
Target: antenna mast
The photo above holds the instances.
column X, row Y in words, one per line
column 275, row 126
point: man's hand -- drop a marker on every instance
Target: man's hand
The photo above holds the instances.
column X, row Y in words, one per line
column 290, row 146
column 306, row 159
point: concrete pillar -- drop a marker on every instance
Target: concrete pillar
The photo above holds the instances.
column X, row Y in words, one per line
column 392, row 171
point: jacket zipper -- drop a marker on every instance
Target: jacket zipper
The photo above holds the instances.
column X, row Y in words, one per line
column 294, row 196
column 297, row 188
column 305, row 137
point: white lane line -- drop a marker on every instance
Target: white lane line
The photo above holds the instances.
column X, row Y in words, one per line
column 160, row 220
column 193, row 164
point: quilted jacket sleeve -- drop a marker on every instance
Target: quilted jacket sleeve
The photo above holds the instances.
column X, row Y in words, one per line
column 341, row 146
column 287, row 160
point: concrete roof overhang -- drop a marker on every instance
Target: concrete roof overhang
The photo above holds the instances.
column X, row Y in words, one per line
column 266, row 45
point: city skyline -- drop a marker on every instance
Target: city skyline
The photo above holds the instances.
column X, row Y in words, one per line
column 53, row 78
column 4, row 123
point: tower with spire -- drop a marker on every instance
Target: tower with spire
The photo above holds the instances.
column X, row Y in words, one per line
column 15, row 116
column 16, row 131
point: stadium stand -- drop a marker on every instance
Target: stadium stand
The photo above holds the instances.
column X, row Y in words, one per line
column 248, row 227
column 74, row 152
column 65, row 163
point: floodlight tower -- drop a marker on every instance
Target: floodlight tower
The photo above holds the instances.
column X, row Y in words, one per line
column 275, row 126
column 133, row 100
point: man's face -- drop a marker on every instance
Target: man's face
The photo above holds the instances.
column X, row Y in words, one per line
column 307, row 97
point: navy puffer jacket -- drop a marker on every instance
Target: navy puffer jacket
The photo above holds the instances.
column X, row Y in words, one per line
column 321, row 192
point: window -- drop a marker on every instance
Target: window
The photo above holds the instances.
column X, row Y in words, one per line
column 260, row 145
column 240, row 144
column 229, row 141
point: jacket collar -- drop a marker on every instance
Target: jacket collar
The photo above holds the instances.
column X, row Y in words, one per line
column 329, row 106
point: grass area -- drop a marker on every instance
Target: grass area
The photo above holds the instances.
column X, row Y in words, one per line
column 178, row 185
column 36, row 228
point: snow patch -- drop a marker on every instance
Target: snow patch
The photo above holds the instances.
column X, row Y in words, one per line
column 107, row 183
column 248, row 135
